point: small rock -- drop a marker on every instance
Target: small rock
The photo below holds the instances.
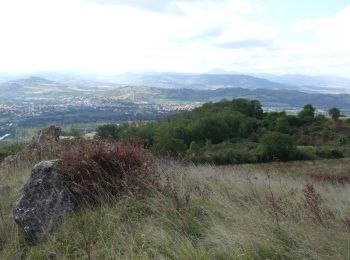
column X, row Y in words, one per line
column 47, row 198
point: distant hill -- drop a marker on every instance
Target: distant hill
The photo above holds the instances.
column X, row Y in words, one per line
column 23, row 83
column 268, row 97
column 168, row 87
column 199, row 81
column 38, row 88
column 305, row 80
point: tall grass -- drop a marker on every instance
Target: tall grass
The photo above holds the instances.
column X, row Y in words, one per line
column 268, row 211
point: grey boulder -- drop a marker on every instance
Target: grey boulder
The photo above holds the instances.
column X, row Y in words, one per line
column 47, row 198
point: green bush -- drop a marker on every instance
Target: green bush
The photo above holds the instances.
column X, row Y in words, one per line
column 303, row 154
column 277, row 146
column 109, row 130
column 10, row 149
column 329, row 153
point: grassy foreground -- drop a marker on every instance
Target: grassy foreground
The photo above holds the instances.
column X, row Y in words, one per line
column 269, row 211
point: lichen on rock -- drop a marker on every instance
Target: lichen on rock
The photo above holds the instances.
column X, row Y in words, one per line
column 47, row 198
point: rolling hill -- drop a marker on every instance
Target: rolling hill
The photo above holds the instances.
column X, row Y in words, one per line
column 198, row 81
column 268, row 97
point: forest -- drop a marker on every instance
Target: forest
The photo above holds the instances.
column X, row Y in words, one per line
column 239, row 131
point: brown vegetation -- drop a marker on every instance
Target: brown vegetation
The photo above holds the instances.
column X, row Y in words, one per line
column 100, row 169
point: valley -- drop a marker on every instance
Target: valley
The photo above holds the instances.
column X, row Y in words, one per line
column 34, row 102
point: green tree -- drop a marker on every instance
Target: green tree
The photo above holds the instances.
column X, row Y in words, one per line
column 213, row 128
column 282, row 125
column 251, row 108
column 167, row 143
column 308, row 113
column 334, row 113
column 146, row 132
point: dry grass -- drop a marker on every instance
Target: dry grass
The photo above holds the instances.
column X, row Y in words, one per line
column 270, row 211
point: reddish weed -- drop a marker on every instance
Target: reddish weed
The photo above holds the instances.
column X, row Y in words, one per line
column 104, row 169
column 313, row 201
column 342, row 179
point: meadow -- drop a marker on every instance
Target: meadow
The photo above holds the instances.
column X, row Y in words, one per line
column 294, row 210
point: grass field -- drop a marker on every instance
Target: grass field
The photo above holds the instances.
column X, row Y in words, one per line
column 268, row 211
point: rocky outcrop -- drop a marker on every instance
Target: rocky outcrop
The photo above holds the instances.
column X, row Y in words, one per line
column 45, row 137
column 43, row 146
column 47, row 198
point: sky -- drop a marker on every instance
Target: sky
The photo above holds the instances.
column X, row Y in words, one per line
column 116, row 36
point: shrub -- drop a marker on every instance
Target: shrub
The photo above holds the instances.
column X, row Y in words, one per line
column 329, row 153
column 101, row 170
column 10, row 149
column 276, row 145
column 304, row 153
column 109, row 130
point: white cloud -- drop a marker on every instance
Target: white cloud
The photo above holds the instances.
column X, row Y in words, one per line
column 131, row 35
column 73, row 34
column 331, row 30
column 328, row 49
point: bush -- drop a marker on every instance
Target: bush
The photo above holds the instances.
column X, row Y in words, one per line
column 109, row 130
column 304, row 153
column 228, row 153
column 10, row 149
column 101, row 170
column 329, row 153
column 277, row 146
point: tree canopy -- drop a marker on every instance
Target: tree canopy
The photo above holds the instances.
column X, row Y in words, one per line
column 237, row 131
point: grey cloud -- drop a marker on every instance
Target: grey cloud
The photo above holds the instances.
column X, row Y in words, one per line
column 211, row 32
column 246, row 44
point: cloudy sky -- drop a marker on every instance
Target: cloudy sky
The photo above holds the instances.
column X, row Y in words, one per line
column 246, row 36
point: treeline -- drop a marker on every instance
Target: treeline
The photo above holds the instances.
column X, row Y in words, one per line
column 239, row 131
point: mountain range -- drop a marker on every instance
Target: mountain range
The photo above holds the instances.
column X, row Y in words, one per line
column 217, row 78
column 170, row 87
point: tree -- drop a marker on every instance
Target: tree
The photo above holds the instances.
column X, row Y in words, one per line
column 251, row 108
column 308, row 113
column 167, row 143
column 334, row 113
column 282, row 125
column 214, row 129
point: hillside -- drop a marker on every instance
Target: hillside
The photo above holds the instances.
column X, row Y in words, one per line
column 133, row 205
column 274, row 211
